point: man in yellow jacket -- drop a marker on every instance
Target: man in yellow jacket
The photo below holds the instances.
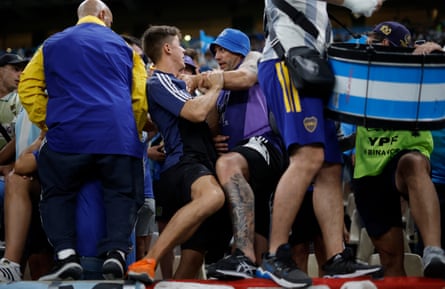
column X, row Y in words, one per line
column 86, row 87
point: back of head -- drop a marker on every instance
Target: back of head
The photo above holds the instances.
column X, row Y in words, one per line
column 154, row 39
column 95, row 8
column 397, row 34
column 132, row 40
column 193, row 53
column 232, row 40
column 189, row 64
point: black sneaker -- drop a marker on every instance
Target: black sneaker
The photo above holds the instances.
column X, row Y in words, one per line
column 236, row 266
column 344, row 265
column 114, row 266
column 282, row 269
column 65, row 269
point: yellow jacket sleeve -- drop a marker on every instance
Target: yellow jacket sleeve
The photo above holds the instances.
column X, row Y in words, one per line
column 139, row 94
column 32, row 90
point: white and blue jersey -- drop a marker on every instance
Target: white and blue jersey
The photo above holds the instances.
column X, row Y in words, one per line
column 291, row 35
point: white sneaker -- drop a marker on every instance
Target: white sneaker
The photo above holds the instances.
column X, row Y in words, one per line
column 9, row 271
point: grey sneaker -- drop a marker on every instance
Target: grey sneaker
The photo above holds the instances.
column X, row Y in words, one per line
column 9, row 272
column 282, row 269
column 344, row 265
column 434, row 262
column 233, row 266
column 65, row 269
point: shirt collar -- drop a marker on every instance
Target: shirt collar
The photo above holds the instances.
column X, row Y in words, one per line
column 91, row 19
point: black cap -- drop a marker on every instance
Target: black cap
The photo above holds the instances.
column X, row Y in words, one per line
column 13, row 59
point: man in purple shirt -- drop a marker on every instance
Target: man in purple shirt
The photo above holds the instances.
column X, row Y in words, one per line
column 251, row 157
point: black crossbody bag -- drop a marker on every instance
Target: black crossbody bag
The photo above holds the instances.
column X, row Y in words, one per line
column 311, row 73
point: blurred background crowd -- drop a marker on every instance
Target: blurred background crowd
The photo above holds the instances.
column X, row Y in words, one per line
column 24, row 24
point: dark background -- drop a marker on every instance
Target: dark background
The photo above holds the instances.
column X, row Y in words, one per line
column 26, row 23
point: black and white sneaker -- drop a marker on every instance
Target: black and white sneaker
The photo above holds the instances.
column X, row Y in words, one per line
column 9, row 271
column 114, row 266
column 235, row 266
column 282, row 269
column 65, row 269
column 344, row 265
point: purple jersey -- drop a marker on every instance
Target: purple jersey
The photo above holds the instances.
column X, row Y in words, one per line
column 243, row 114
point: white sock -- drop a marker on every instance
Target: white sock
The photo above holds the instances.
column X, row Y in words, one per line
column 65, row 253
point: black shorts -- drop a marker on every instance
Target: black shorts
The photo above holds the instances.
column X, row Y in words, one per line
column 264, row 176
column 173, row 189
column 378, row 200
column 163, row 211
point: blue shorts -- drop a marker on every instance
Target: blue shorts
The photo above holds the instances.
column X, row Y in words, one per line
column 299, row 119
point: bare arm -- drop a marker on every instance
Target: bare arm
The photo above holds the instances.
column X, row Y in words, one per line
column 7, row 153
column 198, row 108
column 242, row 78
column 427, row 48
column 26, row 163
column 246, row 75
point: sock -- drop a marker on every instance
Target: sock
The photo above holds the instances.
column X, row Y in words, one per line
column 65, row 253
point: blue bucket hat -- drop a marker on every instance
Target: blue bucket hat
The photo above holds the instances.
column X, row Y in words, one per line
column 232, row 40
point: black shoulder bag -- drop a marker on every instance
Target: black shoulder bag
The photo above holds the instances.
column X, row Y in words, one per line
column 311, row 73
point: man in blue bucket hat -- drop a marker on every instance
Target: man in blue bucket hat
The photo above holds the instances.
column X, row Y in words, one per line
column 391, row 164
column 252, row 157
column 233, row 40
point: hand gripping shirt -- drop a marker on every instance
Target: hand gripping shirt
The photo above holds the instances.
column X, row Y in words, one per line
column 375, row 147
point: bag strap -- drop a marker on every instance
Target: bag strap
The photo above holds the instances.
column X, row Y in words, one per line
column 297, row 17
column 5, row 133
column 353, row 35
column 276, row 44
